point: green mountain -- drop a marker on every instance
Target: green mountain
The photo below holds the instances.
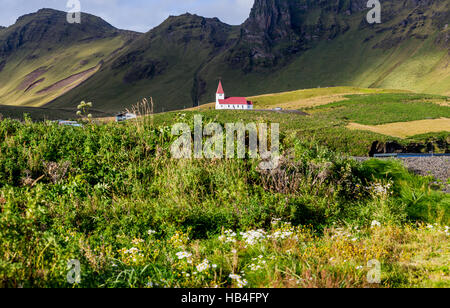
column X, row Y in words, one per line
column 163, row 63
column 42, row 56
column 283, row 45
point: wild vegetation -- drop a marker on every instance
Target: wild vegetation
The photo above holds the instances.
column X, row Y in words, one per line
column 111, row 197
column 330, row 116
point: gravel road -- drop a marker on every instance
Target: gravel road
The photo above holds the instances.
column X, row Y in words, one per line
column 439, row 167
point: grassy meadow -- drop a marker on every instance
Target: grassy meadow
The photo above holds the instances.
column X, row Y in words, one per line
column 111, row 196
column 332, row 111
column 406, row 129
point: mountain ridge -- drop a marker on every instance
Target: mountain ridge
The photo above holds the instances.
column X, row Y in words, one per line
column 42, row 49
column 283, row 45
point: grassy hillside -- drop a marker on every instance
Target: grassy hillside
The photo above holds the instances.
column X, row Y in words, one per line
column 112, row 197
column 162, row 63
column 349, row 60
column 18, row 87
column 43, row 57
column 179, row 63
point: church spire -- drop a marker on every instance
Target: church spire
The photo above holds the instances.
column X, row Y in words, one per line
column 220, row 88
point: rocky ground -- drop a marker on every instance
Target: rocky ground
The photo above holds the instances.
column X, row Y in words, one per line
column 439, row 167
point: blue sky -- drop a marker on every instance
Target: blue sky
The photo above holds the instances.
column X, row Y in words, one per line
column 138, row 15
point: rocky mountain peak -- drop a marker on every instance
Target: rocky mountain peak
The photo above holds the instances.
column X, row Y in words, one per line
column 277, row 29
column 271, row 18
column 278, row 18
column 49, row 27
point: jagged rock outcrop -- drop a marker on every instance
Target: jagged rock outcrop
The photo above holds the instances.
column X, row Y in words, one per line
column 278, row 29
column 433, row 145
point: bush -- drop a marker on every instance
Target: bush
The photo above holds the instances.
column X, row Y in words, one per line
column 94, row 193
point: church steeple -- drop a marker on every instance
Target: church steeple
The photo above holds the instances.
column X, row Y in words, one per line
column 220, row 88
column 220, row 94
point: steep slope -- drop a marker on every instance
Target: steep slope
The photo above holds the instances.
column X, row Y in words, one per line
column 277, row 29
column 284, row 45
column 42, row 56
column 163, row 63
column 306, row 44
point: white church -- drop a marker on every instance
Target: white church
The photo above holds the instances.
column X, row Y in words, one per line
column 231, row 103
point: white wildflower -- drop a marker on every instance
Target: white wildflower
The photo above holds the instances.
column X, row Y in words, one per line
column 276, row 221
column 132, row 251
column 239, row 280
column 229, row 236
column 253, row 237
column 234, row 276
column 375, row 224
column 137, row 241
column 203, row 266
column 183, row 255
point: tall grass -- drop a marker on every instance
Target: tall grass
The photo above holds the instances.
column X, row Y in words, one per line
column 112, row 197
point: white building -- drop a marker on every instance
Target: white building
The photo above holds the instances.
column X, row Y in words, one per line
column 231, row 103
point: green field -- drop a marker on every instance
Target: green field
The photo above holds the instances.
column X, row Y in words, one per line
column 327, row 124
column 388, row 108
column 111, row 196
column 272, row 100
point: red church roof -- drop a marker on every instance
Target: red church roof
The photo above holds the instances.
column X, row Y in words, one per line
column 220, row 89
column 235, row 101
